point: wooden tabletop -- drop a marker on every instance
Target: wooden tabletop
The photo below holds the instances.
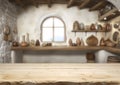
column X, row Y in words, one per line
column 60, row 72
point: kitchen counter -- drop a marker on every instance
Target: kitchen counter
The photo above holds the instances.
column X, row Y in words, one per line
column 46, row 73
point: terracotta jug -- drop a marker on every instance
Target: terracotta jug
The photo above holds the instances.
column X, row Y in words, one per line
column 37, row 43
column 92, row 41
column 109, row 43
column 102, row 42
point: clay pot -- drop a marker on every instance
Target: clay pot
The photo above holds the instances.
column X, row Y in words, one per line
column 76, row 25
column 92, row 41
column 108, row 27
column 37, row 43
column 109, row 43
column 70, row 42
column 15, row 44
column 102, row 42
column 78, row 42
column 92, row 27
column 24, row 44
column 90, row 56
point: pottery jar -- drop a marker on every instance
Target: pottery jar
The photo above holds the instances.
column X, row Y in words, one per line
column 92, row 41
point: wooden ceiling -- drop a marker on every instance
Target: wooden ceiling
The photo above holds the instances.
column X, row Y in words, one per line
column 93, row 5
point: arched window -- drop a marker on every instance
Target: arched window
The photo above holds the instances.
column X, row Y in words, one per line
column 53, row 30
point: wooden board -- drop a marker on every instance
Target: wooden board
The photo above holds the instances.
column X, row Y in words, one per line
column 60, row 73
column 68, row 48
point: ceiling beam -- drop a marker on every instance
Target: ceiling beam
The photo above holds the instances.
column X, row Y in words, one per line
column 98, row 5
column 70, row 3
column 18, row 2
column 108, row 14
column 84, row 3
column 49, row 3
column 34, row 3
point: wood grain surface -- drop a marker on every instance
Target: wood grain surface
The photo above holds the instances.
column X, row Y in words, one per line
column 60, row 72
column 68, row 48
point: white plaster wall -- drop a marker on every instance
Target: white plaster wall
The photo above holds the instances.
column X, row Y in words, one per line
column 29, row 20
column 115, row 3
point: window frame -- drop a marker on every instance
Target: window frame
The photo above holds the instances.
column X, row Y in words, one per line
column 41, row 29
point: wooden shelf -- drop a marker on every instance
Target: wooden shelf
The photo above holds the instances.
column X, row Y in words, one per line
column 90, row 31
column 67, row 48
column 59, row 48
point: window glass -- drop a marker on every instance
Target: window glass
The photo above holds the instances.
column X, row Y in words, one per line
column 47, row 34
column 58, row 34
column 58, row 23
column 53, row 30
column 48, row 23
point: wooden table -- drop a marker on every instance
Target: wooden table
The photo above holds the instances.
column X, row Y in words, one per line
column 39, row 73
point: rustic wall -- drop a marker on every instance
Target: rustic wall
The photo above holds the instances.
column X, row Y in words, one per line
column 117, row 19
column 29, row 20
column 7, row 16
column 115, row 3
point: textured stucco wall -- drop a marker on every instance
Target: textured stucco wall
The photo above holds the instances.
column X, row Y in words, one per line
column 29, row 20
column 7, row 16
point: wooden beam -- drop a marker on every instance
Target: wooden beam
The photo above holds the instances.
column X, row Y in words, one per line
column 49, row 3
column 18, row 2
column 35, row 3
column 70, row 3
column 99, row 4
column 85, row 2
column 108, row 13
